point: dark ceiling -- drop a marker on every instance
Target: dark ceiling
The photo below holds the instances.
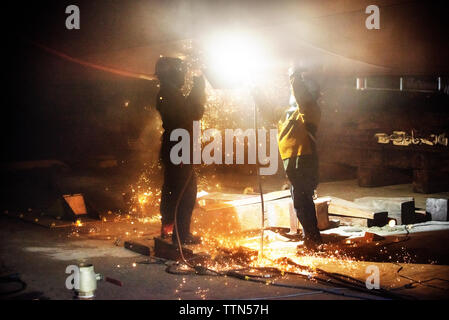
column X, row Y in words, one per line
column 130, row 35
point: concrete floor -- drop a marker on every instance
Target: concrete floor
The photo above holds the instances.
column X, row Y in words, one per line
column 41, row 255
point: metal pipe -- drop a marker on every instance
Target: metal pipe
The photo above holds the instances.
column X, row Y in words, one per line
column 259, row 180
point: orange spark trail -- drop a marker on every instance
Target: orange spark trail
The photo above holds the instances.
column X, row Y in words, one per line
column 95, row 66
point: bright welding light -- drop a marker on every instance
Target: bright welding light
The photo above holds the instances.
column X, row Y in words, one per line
column 236, row 58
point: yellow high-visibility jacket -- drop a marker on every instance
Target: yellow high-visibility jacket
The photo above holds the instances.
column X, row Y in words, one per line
column 296, row 134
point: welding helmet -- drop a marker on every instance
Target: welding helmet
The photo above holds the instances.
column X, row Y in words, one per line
column 296, row 70
column 170, row 70
column 301, row 74
column 313, row 87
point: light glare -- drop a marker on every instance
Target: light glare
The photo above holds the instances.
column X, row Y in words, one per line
column 238, row 58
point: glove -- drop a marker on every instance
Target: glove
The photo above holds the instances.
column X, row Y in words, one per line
column 305, row 90
column 199, row 82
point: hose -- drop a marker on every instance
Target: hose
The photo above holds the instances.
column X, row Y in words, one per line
column 13, row 278
column 183, row 190
column 198, row 268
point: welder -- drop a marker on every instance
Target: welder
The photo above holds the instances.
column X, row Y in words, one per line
column 177, row 112
column 298, row 150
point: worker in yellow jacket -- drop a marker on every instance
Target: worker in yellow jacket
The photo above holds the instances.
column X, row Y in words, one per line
column 297, row 147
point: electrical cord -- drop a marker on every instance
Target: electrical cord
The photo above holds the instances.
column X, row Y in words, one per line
column 407, row 236
column 283, row 285
column 360, row 286
column 242, row 275
column 420, row 282
column 287, row 295
column 248, row 274
column 348, row 282
column 183, row 190
column 153, row 260
column 335, row 280
column 13, row 278
column 198, row 268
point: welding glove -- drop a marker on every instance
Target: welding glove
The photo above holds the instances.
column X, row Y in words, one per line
column 199, row 83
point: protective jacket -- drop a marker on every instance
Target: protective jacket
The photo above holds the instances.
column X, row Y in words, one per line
column 178, row 112
column 297, row 133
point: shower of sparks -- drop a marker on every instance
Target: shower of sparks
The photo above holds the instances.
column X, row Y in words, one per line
column 226, row 109
column 234, row 252
column 145, row 195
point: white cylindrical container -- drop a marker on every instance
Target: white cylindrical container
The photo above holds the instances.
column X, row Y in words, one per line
column 88, row 281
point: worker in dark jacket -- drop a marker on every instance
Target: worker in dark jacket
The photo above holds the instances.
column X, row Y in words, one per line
column 297, row 147
column 177, row 111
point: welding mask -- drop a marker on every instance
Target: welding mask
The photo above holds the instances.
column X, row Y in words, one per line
column 171, row 71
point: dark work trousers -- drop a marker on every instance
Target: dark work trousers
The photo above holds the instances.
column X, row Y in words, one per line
column 302, row 171
column 175, row 178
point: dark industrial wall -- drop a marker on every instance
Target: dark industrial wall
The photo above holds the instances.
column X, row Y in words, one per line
column 348, row 147
column 47, row 115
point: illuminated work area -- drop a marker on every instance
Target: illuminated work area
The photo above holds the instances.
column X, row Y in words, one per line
column 226, row 150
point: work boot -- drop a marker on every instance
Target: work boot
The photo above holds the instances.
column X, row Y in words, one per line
column 166, row 231
column 310, row 246
column 190, row 239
